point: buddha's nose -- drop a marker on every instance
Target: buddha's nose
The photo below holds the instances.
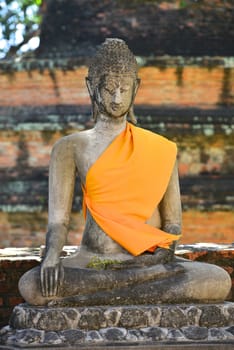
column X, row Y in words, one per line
column 117, row 98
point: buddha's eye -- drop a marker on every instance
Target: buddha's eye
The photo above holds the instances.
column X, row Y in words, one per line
column 109, row 89
column 124, row 89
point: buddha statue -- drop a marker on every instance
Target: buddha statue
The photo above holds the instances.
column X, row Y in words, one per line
column 131, row 203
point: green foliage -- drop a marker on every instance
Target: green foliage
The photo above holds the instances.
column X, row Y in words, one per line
column 183, row 4
column 19, row 22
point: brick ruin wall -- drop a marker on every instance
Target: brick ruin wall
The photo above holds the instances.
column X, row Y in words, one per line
column 155, row 27
column 187, row 96
column 42, row 101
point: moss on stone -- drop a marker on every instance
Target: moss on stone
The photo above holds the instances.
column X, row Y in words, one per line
column 102, row 264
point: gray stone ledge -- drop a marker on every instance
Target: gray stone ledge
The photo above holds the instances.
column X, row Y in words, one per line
column 117, row 338
column 175, row 316
column 123, row 327
column 139, row 346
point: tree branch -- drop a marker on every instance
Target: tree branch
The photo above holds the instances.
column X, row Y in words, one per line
column 13, row 49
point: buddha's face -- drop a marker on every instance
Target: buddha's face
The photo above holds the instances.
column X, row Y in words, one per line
column 115, row 95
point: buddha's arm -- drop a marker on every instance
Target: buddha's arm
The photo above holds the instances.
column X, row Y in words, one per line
column 170, row 207
column 61, row 187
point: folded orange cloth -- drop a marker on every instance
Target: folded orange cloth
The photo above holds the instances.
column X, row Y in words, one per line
column 126, row 183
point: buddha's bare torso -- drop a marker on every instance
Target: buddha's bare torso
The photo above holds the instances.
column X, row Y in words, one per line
column 83, row 149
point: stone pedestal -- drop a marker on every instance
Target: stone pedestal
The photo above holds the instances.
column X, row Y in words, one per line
column 131, row 326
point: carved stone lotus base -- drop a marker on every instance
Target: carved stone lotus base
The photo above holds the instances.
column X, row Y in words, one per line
column 73, row 326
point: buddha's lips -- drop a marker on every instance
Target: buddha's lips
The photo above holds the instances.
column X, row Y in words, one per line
column 115, row 106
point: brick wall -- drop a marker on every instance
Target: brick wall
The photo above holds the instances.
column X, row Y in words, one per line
column 192, row 105
column 28, row 229
column 172, row 27
column 10, row 273
column 201, row 87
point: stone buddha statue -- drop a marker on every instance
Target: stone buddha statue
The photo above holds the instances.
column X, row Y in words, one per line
column 131, row 204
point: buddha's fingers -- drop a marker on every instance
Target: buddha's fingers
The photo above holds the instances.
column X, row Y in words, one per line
column 52, row 283
column 47, row 282
column 48, row 276
column 43, row 282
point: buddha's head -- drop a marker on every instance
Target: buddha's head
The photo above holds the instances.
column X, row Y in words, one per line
column 112, row 80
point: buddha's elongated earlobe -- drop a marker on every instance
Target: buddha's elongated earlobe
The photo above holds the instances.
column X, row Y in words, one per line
column 92, row 97
column 131, row 116
column 89, row 87
column 94, row 111
column 137, row 84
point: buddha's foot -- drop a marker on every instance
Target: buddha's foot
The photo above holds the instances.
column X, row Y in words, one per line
column 160, row 256
column 184, row 282
column 124, row 293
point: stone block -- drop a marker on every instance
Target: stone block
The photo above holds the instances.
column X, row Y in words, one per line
column 195, row 333
column 113, row 333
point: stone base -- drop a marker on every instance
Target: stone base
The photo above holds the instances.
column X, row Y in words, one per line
column 127, row 326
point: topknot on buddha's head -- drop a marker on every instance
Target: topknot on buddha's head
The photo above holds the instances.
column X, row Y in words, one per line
column 113, row 57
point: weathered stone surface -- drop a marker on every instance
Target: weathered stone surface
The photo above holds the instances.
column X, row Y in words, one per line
column 129, row 317
column 176, row 335
column 230, row 330
column 93, row 336
column 92, row 318
column 217, row 334
column 45, row 319
column 73, row 336
column 113, row 333
column 29, row 336
column 155, row 333
column 213, row 317
column 52, row 338
column 133, row 317
column 154, row 316
column 53, row 319
column 195, row 333
column 112, row 316
column 193, row 315
column 134, row 335
column 173, row 317
column 118, row 335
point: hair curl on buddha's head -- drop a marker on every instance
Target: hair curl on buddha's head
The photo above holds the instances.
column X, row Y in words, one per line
column 113, row 57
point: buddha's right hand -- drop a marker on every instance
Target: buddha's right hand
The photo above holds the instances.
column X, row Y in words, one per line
column 51, row 273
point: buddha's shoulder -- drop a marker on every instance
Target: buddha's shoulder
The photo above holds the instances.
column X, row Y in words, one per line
column 77, row 139
column 154, row 137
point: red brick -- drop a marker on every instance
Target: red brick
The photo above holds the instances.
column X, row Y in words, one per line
column 15, row 300
column 201, row 87
column 2, row 276
column 5, row 313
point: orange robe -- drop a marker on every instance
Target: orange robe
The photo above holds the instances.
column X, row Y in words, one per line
column 126, row 183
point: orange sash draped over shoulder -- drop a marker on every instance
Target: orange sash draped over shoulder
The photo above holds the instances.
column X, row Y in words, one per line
column 126, row 183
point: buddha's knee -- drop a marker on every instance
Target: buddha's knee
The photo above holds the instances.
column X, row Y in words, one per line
column 30, row 287
column 207, row 282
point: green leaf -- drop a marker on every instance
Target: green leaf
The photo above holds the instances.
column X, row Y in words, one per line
column 183, row 4
column 26, row 14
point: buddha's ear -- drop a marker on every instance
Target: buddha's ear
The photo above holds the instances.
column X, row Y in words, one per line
column 89, row 87
column 137, row 84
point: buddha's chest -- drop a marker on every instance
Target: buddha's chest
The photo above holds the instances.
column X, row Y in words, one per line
column 87, row 155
